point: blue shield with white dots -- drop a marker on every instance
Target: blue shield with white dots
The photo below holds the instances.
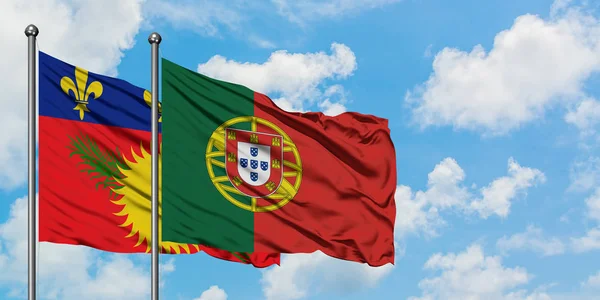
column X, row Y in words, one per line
column 244, row 162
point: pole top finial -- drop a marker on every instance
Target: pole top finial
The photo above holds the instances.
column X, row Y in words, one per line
column 154, row 38
column 31, row 30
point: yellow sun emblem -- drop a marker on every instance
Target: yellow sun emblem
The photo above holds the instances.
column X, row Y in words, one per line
column 136, row 202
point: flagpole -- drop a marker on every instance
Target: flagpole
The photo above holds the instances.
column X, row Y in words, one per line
column 154, row 39
column 31, row 32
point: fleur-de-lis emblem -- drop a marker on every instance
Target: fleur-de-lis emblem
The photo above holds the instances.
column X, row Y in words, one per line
column 148, row 99
column 82, row 91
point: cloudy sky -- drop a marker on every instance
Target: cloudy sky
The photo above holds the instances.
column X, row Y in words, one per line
column 493, row 108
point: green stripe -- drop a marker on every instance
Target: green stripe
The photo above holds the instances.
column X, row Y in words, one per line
column 193, row 210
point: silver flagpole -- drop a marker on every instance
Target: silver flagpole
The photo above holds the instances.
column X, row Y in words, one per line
column 31, row 32
column 154, row 39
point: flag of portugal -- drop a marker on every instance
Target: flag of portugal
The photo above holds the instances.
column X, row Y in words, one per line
column 241, row 174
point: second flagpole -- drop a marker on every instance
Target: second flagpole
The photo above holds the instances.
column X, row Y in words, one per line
column 31, row 32
column 154, row 39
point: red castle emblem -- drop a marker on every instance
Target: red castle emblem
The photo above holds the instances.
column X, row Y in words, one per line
column 253, row 161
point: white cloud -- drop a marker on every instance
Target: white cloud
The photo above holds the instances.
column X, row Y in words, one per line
column 261, row 42
column 532, row 66
column 559, row 6
column 210, row 18
column 532, row 239
column 588, row 291
column 69, row 272
column 168, row 267
column 204, row 16
column 117, row 278
column 586, row 116
column 419, row 211
column 296, row 77
column 213, row 17
column 498, row 195
column 593, row 206
column 444, row 190
column 300, row 273
column 213, row 293
column 589, row 242
column 415, row 214
column 593, row 281
column 585, row 174
column 536, row 295
column 472, row 275
column 301, row 11
column 75, row 31
column 428, row 52
column 335, row 98
column 331, row 109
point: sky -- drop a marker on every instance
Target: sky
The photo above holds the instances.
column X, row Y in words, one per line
column 494, row 111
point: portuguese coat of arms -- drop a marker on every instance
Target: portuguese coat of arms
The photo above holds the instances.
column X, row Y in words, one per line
column 253, row 161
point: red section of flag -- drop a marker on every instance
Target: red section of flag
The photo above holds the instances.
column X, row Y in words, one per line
column 77, row 207
column 345, row 204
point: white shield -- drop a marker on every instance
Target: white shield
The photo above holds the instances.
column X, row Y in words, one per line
column 253, row 163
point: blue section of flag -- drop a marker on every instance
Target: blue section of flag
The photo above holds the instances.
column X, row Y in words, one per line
column 253, row 151
column 254, row 176
column 244, row 162
column 254, row 164
column 264, row 165
column 121, row 103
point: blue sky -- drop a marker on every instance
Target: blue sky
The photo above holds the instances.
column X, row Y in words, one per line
column 493, row 111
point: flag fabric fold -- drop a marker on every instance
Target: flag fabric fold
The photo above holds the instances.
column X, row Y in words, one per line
column 244, row 175
column 94, row 165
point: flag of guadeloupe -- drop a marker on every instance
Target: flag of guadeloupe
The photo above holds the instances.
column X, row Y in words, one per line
column 95, row 162
column 241, row 174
